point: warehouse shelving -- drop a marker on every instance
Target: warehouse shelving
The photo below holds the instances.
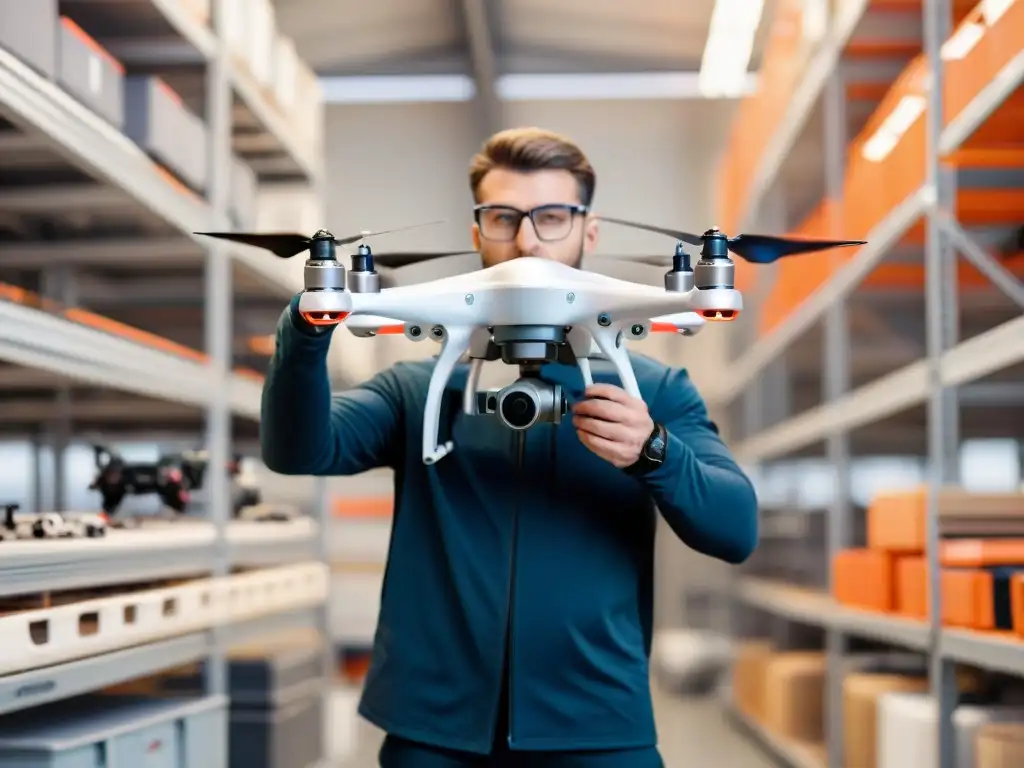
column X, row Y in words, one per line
column 123, row 557
column 115, row 210
column 934, row 171
column 39, row 686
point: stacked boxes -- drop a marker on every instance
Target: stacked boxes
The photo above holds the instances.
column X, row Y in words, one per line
column 979, row 558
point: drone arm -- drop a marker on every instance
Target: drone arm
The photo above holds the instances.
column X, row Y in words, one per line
column 454, row 346
column 702, row 493
column 306, row 431
column 609, row 340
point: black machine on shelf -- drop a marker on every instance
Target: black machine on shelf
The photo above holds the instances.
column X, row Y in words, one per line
column 172, row 478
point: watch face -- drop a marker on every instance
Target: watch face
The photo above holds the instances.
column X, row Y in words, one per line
column 656, row 447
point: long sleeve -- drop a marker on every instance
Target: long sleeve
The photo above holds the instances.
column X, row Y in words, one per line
column 304, row 429
column 700, row 489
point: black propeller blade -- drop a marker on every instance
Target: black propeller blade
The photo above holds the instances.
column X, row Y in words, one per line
column 758, row 249
column 686, row 237
column 396, row 259
column 286, row 244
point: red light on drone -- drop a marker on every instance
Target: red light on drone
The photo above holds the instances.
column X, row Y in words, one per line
column 663, row 328
column 719, row 315
column 324, row 318
column 391, row 330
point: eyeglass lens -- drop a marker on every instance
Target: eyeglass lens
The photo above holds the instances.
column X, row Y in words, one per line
column 551, row 222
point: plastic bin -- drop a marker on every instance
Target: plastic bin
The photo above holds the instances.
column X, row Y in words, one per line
column 159, row 122
column 27, row 29
column 89, row 73
column 118, row 732
column 276, row 690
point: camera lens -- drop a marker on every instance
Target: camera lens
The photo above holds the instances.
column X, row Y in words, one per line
column 518, row 409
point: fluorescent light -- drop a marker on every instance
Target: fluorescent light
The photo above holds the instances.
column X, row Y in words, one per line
column 962, row 41
column 726, row 57
column 397, row 89
column 650, row 85
column 992, row 10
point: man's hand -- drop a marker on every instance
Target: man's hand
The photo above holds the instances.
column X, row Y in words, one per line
column 612, row 424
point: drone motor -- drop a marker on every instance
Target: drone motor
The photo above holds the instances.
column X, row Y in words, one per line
column 324, row 280
column 715, row 268
column 363, row 277
column 680, row 279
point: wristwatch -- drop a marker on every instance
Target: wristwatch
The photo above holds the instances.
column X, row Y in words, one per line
column 652, row 455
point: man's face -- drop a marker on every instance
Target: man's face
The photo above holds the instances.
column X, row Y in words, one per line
column 564, row 236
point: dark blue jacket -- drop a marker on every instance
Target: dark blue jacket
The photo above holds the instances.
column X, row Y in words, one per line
column 559, row 554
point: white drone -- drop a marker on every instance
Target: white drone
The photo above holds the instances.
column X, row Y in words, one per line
column 527, row 312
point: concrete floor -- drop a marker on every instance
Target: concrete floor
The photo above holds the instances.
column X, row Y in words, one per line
column 693, row 734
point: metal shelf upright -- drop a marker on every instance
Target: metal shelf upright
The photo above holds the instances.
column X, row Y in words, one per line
column 768, row 432
column 218, row 320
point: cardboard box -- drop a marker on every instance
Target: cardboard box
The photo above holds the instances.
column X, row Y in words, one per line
column 1000, row 745
column 794, row 695
column 861, row 693
column 27, row 29
column 749, row 665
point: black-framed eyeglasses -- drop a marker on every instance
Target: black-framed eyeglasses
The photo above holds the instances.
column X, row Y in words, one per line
column 551, row 222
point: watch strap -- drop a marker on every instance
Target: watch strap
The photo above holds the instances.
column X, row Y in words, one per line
column 652, row 455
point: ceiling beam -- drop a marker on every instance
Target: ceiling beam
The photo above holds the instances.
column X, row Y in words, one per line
column 476, row 17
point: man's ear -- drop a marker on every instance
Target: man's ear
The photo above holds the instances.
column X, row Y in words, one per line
column 474, row 233
column 590, row 234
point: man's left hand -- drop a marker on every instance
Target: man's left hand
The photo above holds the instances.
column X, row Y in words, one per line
column 612, row 424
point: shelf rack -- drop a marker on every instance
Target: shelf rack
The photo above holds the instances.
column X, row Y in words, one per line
column 111, row 176
column 942, row 177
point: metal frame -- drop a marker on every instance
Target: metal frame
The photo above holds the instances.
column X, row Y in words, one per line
column 947, row 365
column 36, row 339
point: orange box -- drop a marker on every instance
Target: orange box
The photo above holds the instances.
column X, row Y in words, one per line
column 896, row 522
column 863, row 578
column 911, row 587
column 967, row 599
column 982, row 553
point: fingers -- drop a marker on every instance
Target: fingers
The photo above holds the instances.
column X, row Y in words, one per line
column 606, row 410
column 609, row 392
column 609, row 450
column 608, row 430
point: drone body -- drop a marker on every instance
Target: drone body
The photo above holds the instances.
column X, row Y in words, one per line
column 527, row 312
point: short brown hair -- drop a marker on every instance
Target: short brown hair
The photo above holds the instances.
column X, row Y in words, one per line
column 533, row 149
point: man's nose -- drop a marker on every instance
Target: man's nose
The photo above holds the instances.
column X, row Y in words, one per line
column 526, row 239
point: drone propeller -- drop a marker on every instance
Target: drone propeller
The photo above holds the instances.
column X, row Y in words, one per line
column 286, row 245
column 758, row 249
column 397, row 259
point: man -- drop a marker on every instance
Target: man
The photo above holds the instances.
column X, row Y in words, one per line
column 515, row 622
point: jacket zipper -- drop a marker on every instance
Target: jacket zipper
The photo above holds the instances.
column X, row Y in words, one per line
column 520, row 449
